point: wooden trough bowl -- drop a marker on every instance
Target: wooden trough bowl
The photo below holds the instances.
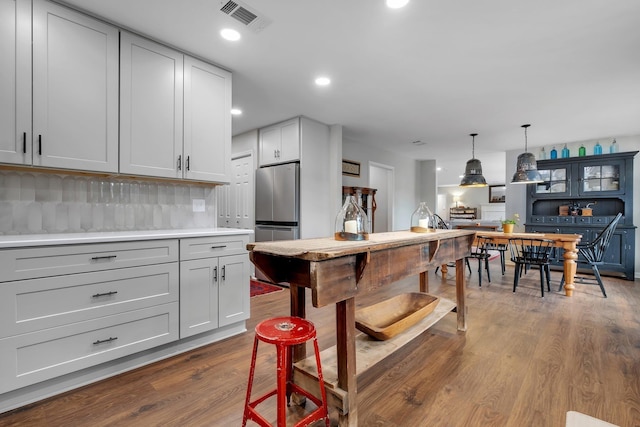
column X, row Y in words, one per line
column 388, row 318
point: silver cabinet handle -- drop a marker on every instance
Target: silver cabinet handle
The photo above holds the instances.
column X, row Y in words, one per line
column 105, row 341
column 106, row 294
column 106, row 257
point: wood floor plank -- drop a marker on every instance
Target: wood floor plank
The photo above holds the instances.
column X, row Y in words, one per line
column 524, row 361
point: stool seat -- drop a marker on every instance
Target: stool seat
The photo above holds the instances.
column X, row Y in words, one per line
column 284, row 333
column 285, row 330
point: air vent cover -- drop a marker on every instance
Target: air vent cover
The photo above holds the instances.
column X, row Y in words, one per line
column 245, row 14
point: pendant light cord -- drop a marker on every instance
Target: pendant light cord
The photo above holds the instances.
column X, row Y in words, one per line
column 473, row 145
column 525, row 137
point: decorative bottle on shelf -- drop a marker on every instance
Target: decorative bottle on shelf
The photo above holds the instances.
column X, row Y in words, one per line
column 613, row 148
column 351, row 221
column 597, row 149
column 543, row 154
column 582, row 151
column 422, row 220
column 553, row 154
column 565, row 151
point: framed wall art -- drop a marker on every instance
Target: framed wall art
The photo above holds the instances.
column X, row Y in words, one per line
column 497, row 193
column 350, row 168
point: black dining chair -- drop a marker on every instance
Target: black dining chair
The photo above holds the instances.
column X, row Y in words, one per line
column 593, row 252
column 480, row 251
column 501, row 248
column 442, row 225
column 526, row 252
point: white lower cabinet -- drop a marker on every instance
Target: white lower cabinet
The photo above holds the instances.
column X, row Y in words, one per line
column 75, row 313
column 76, row 307
column 214, row 283
column 29, row 358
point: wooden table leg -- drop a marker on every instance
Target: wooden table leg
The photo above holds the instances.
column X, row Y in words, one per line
column 461, row 308
column 424, row 282
column 570, row 266
column 346, row 351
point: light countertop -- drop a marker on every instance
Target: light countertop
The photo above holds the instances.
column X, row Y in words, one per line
column 27, row 240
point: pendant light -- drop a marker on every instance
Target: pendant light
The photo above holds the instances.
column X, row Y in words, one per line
column 473, row 172
column 526, row 168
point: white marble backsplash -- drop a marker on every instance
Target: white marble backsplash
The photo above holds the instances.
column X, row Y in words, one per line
column 35, row 203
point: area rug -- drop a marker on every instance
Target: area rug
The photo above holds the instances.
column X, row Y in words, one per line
column 263, row 288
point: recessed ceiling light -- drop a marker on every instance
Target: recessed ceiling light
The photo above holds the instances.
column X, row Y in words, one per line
column 229, row 34
column 397, row 4
column 236, row 111
column 323, row 81
column 438, row 169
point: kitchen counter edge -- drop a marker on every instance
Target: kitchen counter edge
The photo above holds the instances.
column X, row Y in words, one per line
column 29, row 240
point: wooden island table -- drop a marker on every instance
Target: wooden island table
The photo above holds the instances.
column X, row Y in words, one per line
column 336, row 272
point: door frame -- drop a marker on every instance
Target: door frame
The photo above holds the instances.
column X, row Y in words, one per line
column 390, row 175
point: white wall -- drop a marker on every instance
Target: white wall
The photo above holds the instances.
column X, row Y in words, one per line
column 335, row 168
column 316, row 191
column 406, row 178
column 247, row 141
column 427, row 184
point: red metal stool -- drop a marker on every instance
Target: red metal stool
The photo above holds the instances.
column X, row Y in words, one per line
column 285, row 332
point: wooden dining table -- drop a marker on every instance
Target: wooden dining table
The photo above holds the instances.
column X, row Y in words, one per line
column 336, row 272
column 568, row 242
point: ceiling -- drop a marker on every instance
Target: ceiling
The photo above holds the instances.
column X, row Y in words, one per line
column 434, row 71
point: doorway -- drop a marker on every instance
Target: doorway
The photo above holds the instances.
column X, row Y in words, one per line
column 236, row 201
column 381, row 177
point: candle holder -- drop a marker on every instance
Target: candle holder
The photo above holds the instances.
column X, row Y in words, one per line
column 422, row 220
column 351, row 221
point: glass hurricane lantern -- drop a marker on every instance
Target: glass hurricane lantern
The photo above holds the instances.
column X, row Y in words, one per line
column 422, row 220
column 351, row 221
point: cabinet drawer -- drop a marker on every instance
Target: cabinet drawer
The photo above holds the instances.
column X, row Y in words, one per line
column 30, row 358
column 207, row 247
column 583, row 220
column 604, row 220
column 30, row 305
column 29, row 263
column 565, row 219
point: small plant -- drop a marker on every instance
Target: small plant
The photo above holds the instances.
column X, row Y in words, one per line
column 512, row 220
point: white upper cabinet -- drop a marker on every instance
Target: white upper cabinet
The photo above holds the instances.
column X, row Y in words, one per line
column 77, row 94
column 207, row 121
column 280, row 143
column 150, row 108
column 162, row 135
column 15, row 81
column 75, row 90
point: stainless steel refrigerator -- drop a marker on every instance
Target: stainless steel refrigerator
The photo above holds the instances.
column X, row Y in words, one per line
column 278, row 202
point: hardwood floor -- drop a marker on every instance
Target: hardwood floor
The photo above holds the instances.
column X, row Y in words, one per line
column 525, row 361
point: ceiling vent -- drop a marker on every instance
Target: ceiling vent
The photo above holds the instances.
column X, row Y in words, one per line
column 245, row 14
